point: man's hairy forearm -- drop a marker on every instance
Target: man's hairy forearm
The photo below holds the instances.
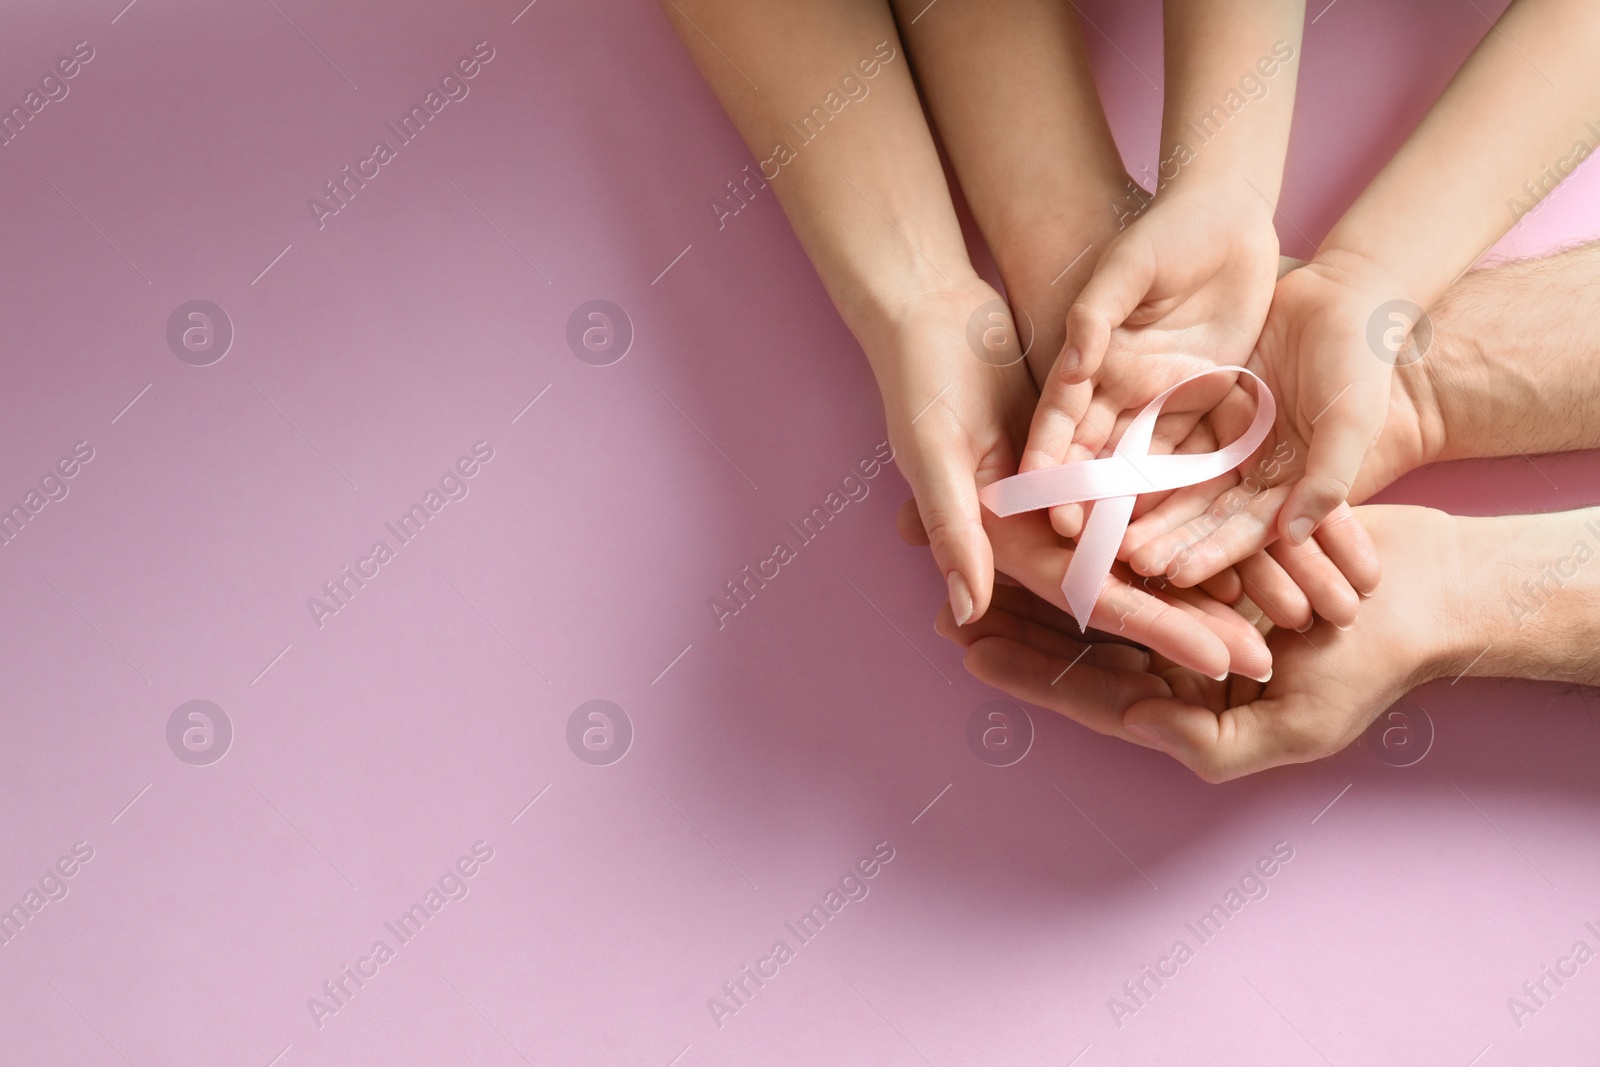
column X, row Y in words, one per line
column 1515, row 363
column 1532, row 608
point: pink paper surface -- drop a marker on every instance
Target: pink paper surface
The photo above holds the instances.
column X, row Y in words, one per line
column 373, row 748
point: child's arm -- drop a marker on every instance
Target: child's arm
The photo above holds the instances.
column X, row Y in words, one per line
column 1008, row 85
column 1190, row 281
column 1231, row 71
column 1517, row 118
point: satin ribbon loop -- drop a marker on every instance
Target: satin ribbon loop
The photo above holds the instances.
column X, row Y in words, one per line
column 1114, row 482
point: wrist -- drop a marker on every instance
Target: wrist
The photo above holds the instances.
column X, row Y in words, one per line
column 1420, row 421
column 890, row 327
column 878, row 312
column 1351, row 247
column 1052, row 246
column 1249, row 186
column 1470, row 613
column 1231, row 203
column 1452, row 369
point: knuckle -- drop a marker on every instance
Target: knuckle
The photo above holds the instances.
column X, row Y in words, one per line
column 1304, row 742
column 946, row 528
column 1328, row 493
column 1209, row 771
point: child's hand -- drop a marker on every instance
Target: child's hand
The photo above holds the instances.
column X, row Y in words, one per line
column 1185, row 287
column 1333, row 395
column 1220, row 535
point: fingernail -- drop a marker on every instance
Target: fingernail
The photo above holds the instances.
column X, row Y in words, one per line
column 1146, row 733
column 1265, row 678
column 1344, row 628
column 1366, row 594
column 1070, row 358
column 1223, row 677
column 960, row 598
column 1299, row 530
column 1306, row 627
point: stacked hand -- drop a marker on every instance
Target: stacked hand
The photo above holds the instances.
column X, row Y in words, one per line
column 957, row 422
column 1190, row 284
column 1182, row 296
column 1188, row 298
column 1327, row 685
column 1189, row 287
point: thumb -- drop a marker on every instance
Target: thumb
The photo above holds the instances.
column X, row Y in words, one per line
column 1119, row 285
column 1338, row 447
column 1216, row 746
column 947, row 501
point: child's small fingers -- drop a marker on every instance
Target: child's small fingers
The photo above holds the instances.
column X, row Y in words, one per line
column 1068, row 519
column 1326, row 588
column 1271, row 588
column 1238, row 526
column 1350, row 547
column 1094, row 428
column 1185, row 517
column 1197, row 438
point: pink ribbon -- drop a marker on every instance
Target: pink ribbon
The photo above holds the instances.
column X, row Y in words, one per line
column 1115, row 481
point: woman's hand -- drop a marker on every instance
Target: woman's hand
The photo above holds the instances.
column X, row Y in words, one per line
column 954, row 420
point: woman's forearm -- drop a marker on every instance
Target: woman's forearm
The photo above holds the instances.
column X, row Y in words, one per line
column 823, row 96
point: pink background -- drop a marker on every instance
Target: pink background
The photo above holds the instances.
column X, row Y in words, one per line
column 369, row 754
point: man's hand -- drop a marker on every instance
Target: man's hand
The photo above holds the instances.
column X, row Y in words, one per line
column 1327, row 686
